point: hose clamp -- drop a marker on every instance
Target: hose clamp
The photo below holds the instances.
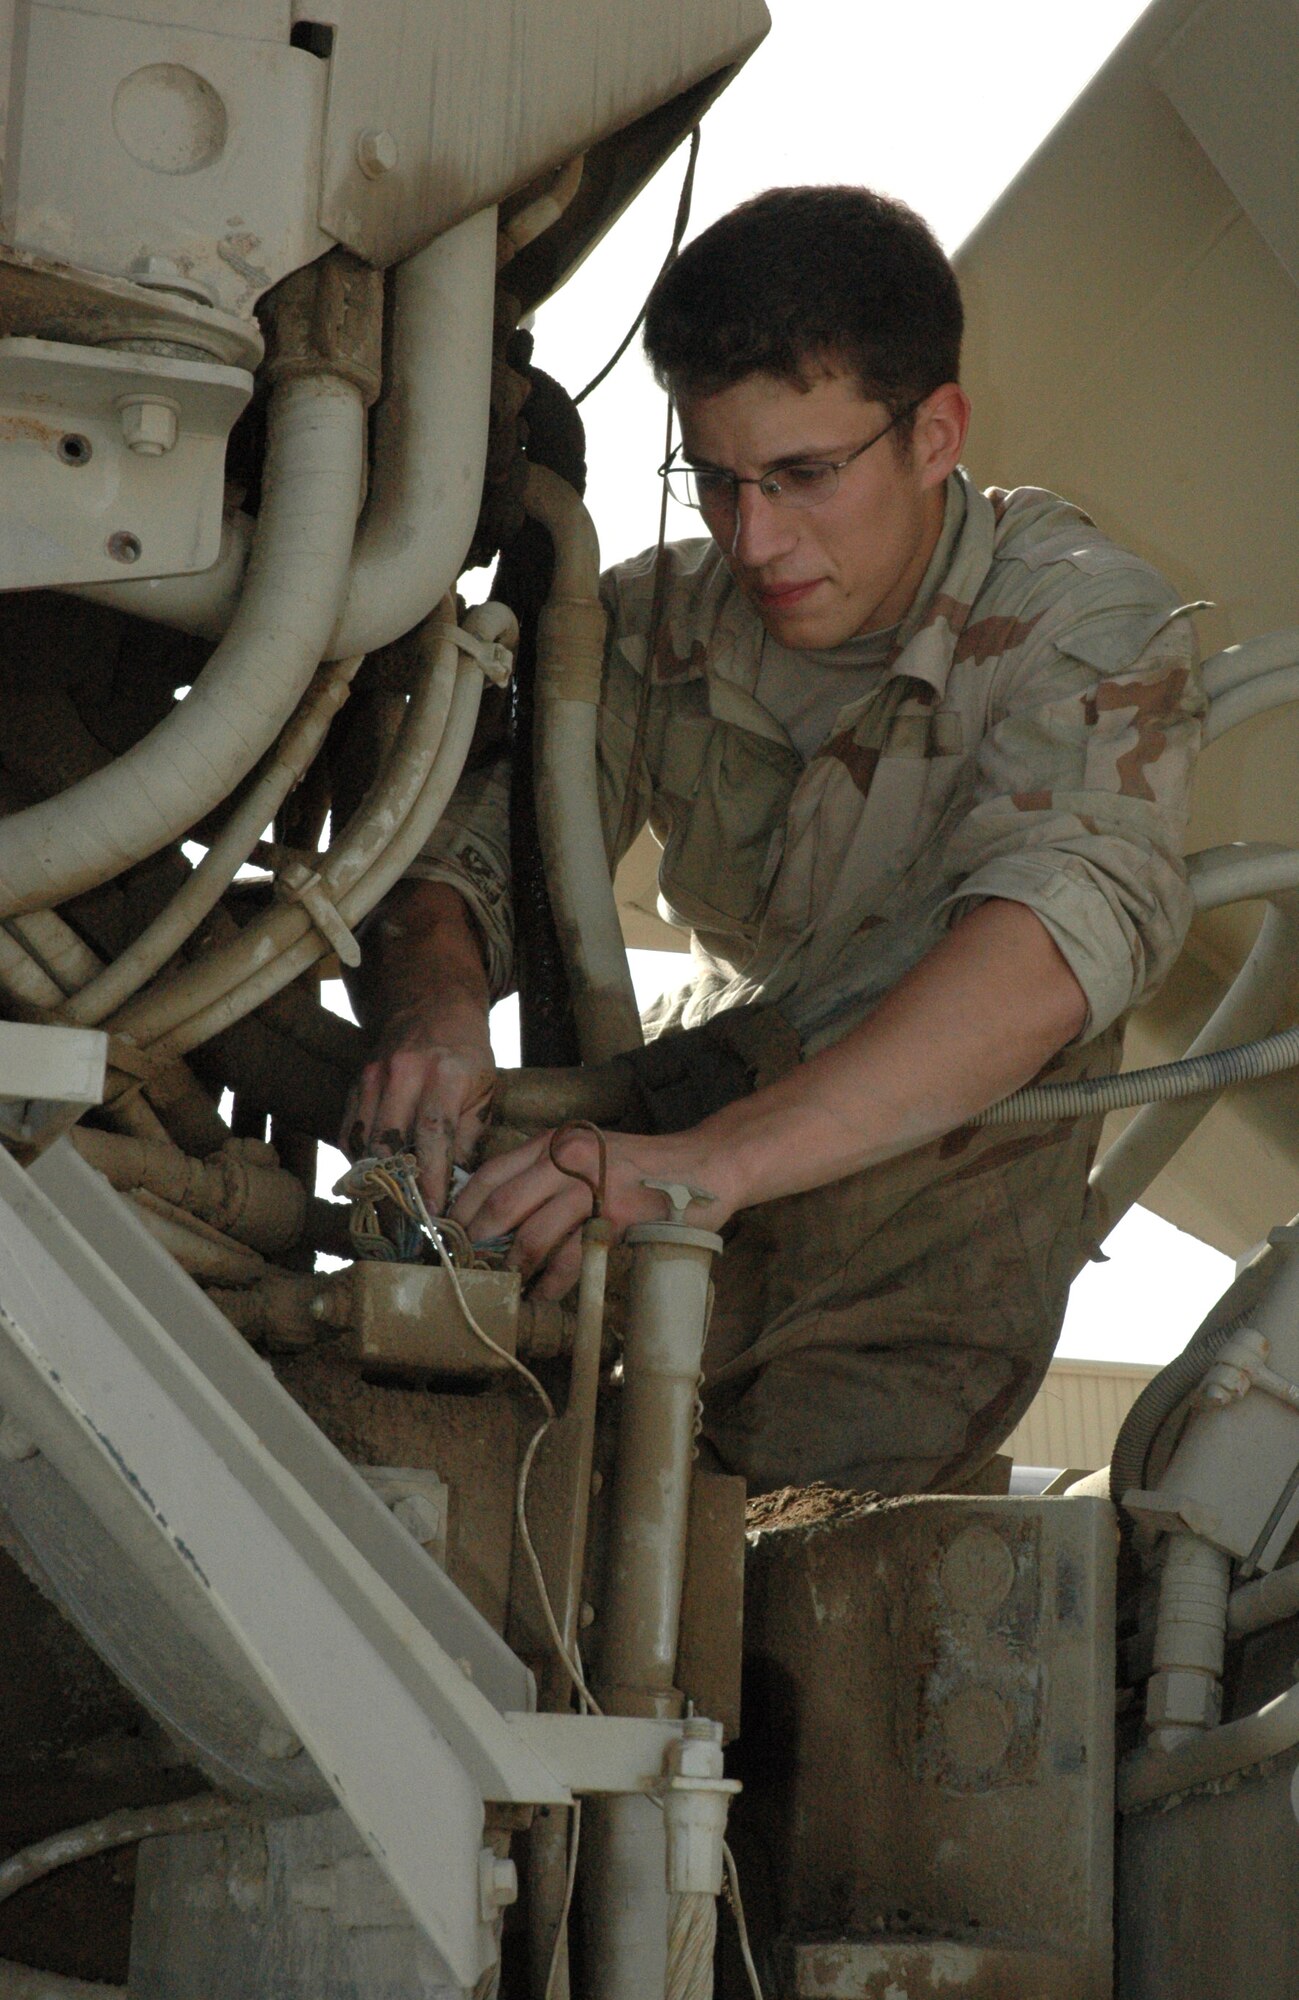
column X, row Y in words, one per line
column 296, row 883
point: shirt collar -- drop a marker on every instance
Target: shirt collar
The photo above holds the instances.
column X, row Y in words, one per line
column 928, row 635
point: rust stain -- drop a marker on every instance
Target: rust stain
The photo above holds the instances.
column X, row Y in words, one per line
column 28, row 430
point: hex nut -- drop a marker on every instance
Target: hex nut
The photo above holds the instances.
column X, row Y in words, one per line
column 376, row 154
column 420, row 1516
column 150, row 424
column 498, row 1883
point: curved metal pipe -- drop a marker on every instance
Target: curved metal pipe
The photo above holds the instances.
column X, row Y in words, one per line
column 1246, row 662
column 430, row 450
column 570, row 654
column 382, row 839
column 149, row 952
column 1247, row 1010
column 194, row 758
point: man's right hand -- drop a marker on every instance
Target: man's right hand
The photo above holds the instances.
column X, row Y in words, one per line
column 428, row 1086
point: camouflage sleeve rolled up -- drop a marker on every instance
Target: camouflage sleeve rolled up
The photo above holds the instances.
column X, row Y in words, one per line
column 469, row 850
column 1081, row 804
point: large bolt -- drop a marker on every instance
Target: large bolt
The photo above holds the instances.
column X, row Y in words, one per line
column 498, row 1883
column 421, row 1517
column 150, row 424
column 376, row 154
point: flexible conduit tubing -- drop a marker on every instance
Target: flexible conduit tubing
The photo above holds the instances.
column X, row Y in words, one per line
column 149, row 952
column 186, row 766
column 1247, row 1010
column 385, row 834
column 381, row 812
column 1250, row 661
column 430, row 452
column 358, row 901
column 570, row 658
column 1157, row 1085
column 1250, row 698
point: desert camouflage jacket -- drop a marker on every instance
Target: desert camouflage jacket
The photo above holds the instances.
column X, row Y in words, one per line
column 1030, row 736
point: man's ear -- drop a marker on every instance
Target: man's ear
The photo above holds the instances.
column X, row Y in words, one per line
column 938, row 438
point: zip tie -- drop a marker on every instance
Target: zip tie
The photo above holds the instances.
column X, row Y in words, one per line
column 296, row 883
column 496, row 661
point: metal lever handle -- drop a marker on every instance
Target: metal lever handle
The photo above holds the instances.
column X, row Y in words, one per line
column 679, row 1195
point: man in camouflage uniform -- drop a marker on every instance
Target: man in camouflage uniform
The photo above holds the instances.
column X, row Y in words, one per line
column 917, row 757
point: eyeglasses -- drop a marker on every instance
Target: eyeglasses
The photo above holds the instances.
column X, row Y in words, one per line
column 808, row 483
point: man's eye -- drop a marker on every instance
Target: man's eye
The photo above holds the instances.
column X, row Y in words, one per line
column 714, row 484
column 805, row 478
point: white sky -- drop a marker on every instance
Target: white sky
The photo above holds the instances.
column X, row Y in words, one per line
column 940, row 102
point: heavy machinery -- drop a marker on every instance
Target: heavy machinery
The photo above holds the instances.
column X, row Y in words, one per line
column 366, row 1626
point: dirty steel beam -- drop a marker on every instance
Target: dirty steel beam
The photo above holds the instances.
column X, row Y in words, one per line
column 211, row 1478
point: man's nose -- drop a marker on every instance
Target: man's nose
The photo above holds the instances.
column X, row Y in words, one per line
column 763, row 531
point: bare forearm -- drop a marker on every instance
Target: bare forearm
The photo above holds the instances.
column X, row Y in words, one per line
column 422, row 960
column 975, row 1019
column 422, row 996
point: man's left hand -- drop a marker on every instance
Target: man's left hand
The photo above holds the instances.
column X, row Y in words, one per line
column 523, row 1193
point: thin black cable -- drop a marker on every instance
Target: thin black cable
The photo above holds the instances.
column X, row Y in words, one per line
column 678, row 231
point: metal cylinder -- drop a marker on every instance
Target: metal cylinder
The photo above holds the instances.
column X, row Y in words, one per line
column 1184, row 1694
column 666, row 1320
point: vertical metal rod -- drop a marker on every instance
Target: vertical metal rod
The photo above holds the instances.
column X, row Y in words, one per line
column 573, row 1438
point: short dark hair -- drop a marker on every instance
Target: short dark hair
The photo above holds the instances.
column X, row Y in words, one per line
column 801, row 278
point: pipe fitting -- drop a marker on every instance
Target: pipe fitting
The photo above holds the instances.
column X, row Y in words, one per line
column 696, row 1797
column 1185, row 1693
column 327, row 319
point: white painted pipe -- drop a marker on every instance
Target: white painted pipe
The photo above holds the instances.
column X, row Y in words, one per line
column 1200, row 1760
column 194, row 758
column 380, row 843
column 198, row 896
column 1250, row 698
column 1248, row 1009
column 1250, row 661
column 626, row 1897
column 1267, row 1600
column 430, row 450
column 1241, row 872
column 667, row 1316
column 570, row 657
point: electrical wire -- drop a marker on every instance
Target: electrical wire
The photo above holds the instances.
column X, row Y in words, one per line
column 199, row 1814
column 403, row 1169
column 678, row 231
column 570, row 1878
column 737, row 1910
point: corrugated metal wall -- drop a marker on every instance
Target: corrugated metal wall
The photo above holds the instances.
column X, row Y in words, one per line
column 1075, row 1416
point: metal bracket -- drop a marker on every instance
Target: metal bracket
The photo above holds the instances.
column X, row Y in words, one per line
column 114, row 463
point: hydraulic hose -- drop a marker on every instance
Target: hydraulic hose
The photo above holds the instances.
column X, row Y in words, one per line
column 570, row 656
column 1250, row 661
column 385, row 834
column 1156, row 1085
column 428, row 462
column 1173, row 1384
column 120, row 1829
column 1248, row 1010
column 1158, row 1400
column 190, row 989
column 192, row 760
column 149, row 952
